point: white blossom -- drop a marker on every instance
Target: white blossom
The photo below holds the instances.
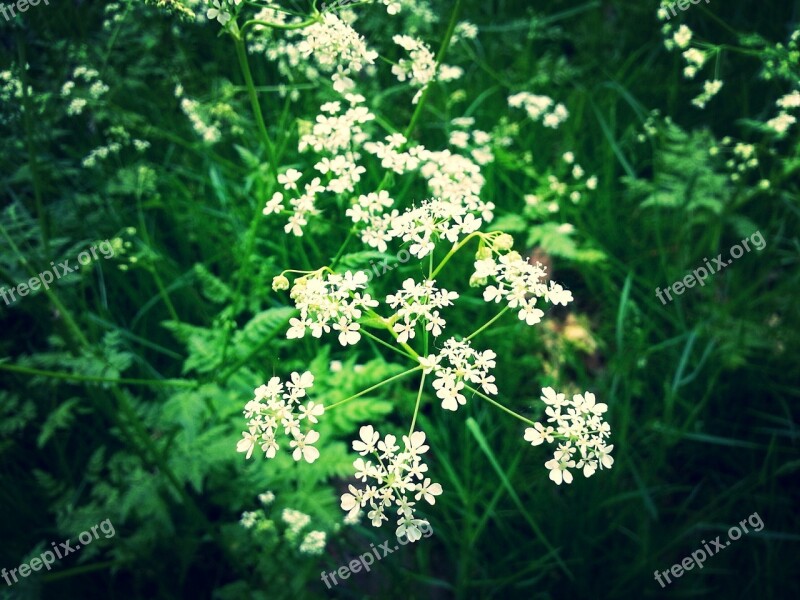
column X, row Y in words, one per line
column 579, row 427
column 272, row 407
column 397, row 476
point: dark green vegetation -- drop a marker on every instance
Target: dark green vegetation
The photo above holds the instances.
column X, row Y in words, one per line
column 123, row 384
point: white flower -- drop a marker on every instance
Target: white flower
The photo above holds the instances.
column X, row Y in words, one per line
column 428, row 363
column 428, row 491
column 466, row 365
column 540, row 108
column 519, row 284
column 781, row 123
column 348, row 332
column 249, row 518
column 274, row 205
column 710, row 89
column 248, row 442
column 558, row 470
column 331, row 301
column 273, row 407
column 420, row 69
column 397, row 475
column 411, row 528
column 539, row 434
column 369, row 438
column 218, row 12
column 313, row 543
column 579, row 425
column 790, row 100
column 352, row 502
column 682, row 36
column 289, row 179
column 335, row 45
column 311, row 411
column 303, row 449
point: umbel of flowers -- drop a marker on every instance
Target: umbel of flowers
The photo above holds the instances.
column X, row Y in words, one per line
column 336, row 304
column 342, row 143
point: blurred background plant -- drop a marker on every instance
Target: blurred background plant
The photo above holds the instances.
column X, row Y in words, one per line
column 123, row 385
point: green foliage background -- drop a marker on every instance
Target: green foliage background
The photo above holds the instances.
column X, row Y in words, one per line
column 122, row 387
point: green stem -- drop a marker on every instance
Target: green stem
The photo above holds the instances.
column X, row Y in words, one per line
column 453, row 251
column 380, row 341
column 244, row 65
column 498, row 405
column 88, row 378
column 393, row 333
column 341, row 250
column 487, row 324
column 374, row 387
column 285, row 27
column 416, row 406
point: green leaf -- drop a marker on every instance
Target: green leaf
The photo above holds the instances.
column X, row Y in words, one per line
column 510, row 223
column 61, row 418
column 212, row 287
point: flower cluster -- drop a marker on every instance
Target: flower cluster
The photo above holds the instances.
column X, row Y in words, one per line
column 336, row 45
column 742, row 159
column 302, row 206
column 477, row 141
column 579, row 425
column 517, row 283
column 205, row 127
column 117, row 139
column 458, row 179
column 456, row 363
column 330, row 301
column 95, row 90
column 391, row 156
column 419, row 301
column 310, row 542
column 277, row 405
column 431, row 221
column 784, row 120
column 397, row 475
column 681, row 38
column 337, row 132
column 420, row 68
column 710, row 89
column 540, row 108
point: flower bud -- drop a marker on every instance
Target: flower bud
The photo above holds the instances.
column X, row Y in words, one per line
column 504, row 242
column 477, row 281
column 280, row 282
column 483, row 253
